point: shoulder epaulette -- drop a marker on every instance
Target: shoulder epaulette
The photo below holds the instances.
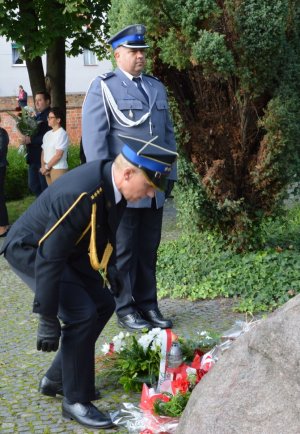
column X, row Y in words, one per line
column 107, row 75
column 96, row 193
column 151, row 76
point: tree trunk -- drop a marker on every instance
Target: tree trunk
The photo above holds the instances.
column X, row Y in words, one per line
column 36, row 75
column 56, row 74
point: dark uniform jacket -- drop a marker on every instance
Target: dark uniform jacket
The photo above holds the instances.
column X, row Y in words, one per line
column 47, row 261
column 34, row 149
column 4, row 140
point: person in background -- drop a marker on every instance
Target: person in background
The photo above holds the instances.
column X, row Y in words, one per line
column 81, row 153
column 36, row 181
column 129, row 102
column 54, row 148
column 4, row 140
column 56, row 247
column 22, row 97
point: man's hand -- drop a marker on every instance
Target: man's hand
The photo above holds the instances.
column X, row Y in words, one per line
column 48, row 333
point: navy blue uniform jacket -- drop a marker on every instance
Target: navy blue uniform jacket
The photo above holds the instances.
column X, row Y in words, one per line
column 47, row 261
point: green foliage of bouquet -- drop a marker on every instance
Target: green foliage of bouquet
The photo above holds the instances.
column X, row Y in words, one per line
column 25, row 121
column 132, row 361
column 204, row 342
column 137, row 366
column 174, row 407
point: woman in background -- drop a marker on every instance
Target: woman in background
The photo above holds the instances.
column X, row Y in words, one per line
column 4, row 140
column 22, row 97
column 54, row 148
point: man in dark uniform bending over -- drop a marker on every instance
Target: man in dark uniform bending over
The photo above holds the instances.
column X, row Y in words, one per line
column 62, row 248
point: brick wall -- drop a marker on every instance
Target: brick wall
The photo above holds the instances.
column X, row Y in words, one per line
column 74, row 105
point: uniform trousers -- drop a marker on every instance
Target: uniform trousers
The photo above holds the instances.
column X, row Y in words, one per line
column 138, row 238
column 84, row 309
column 36, row 181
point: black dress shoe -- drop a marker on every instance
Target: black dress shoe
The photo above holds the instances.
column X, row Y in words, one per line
column 86, row 414
column 155, row 318
column 52, row 388
column 133, row 322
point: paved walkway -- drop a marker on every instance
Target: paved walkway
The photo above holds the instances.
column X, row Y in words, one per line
column 22, row 408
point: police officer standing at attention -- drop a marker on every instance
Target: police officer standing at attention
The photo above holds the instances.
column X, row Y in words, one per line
column 129, row 102
column 55, row 248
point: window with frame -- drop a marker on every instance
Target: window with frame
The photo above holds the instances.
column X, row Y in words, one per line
column 16, row 54
column 89, row 58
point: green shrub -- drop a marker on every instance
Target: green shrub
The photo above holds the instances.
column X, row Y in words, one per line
column 16, row 208
column 199, row 266
column 16, row 183
column 73, row 156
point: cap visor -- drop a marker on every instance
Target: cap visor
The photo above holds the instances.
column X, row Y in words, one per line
column 135, row 46
column 158, row 183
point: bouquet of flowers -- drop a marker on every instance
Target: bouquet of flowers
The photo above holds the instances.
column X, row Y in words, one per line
column 170, row 367
column 173, row 367
column 132, row 361
column 25, row 121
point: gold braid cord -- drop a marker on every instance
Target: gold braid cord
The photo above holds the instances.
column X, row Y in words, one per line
column 96, row 265
column 99, row 266
column 62, row 218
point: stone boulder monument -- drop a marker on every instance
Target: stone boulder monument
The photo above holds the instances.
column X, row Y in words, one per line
column 255, row 385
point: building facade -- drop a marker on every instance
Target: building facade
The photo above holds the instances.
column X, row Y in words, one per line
column 80, row 71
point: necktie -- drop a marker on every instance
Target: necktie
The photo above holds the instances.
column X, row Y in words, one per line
column 138, row 81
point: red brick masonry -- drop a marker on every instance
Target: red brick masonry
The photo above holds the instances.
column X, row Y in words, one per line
column 74, row 105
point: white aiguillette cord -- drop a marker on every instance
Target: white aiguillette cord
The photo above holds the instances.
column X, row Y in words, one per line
column 117, row 114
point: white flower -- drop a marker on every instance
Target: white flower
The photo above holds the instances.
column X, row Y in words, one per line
column 156, row 332
column 29, row 110
column 105, row 348
column 119, row 341
column 191, row 371
column 144, row 341
column 157, row 341
column 153, row 337
column 205, row 334
column 191, row 374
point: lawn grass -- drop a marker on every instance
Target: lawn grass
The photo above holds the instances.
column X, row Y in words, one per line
column 16, row 207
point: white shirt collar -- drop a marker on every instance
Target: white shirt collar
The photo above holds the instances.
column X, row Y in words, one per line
column 129, row 75
column 118, row 195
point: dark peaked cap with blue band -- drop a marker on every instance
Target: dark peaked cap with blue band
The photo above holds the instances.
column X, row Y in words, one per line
column 155, row 160
column 131, row 37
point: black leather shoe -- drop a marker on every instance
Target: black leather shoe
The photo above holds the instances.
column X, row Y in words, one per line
column 155, row 318
column 133, row 322
column 52, row 388
column 86, row 414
